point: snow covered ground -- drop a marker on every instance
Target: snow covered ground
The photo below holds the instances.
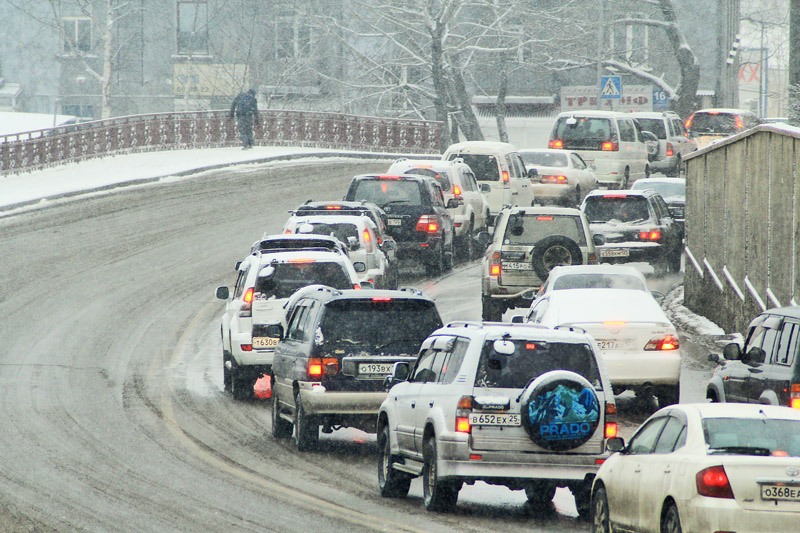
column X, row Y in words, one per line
column 33, row 190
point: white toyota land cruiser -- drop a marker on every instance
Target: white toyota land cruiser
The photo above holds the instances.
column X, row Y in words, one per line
column 525, row 407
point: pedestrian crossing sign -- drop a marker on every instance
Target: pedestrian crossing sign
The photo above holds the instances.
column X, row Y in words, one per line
column 610, row 87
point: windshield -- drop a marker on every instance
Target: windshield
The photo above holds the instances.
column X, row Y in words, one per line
column 289, row 277
column 384, row 192
column 397, row 326
column 483, row 166
column 544, row 159
column 531, row 359
column 654, row 126
column 598, row 281
column 724, row 123
column 666, row 190
column 621, row 208
column 530, row 228
column 752, row 436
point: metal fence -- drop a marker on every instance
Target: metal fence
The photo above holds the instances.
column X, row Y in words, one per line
column 34, row 150
column 742, row 234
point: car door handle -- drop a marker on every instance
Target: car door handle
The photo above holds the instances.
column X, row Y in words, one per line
column 755, row 370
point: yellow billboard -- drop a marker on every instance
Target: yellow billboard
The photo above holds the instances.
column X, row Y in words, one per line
column 209, row 80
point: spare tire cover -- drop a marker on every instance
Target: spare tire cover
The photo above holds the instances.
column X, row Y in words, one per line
column 560, row 410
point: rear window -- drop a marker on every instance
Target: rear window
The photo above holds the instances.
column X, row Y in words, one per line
column 724, row 123
column 341, row 231
column 289, row 277
column 441, row 177
column 598, row 281
column 752, row 436
column 531, row 359
column 654, row 126
column 385, row 192
column 483, row 166
column 530, row 229
column 544, row 159
column 666, row 190
column 397, row 326
column 584, row 133
column 612, row 207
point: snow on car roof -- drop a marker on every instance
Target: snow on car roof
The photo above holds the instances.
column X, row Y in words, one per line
column 576, row 306
column 603, row 268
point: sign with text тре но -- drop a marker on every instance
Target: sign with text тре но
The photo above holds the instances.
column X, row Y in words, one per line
column 586, row 97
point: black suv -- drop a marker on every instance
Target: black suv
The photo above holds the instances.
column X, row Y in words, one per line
column 417, row 216
column 767, row 369
column 637, row 226
column 339, row 346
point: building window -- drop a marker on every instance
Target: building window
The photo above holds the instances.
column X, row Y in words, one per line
column 292, row 36
column 77, row 34
column 192, row 27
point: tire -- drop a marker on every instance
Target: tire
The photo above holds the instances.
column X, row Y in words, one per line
column 577, row 198
column 671, row 522
column 241, row 386
column 306, row 430
column 466, row 246
column 676, row 172
column 281, row 429
column 540, row 493
column 553, row 251
column 675, row 261
column 668, row 395
column 599, row 518
column 437, row 267
column 647, row 171
column 583, row 500
column 392, row 484
column 626, row 177
column 226, row 374
column 492, row 309
column 438, row 495
column 450, row 257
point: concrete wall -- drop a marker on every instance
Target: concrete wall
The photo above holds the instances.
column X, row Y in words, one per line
column 742, row 235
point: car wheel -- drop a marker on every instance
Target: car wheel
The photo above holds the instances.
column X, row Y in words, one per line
column 540, row 493
column 671, row 522
column 241, row 386
column 437, row 267
column 553, row 251
column 668, row 395
column 600, row 522
column 467, row 244
column 438, row 495
column 492, row 309
column 226, row 373
column 675, row 172
column 449, row 257
column 583, row 499
column 281, row 429
column 675, row 261
column 577, row 198
column 306, row 430
column 392, row 483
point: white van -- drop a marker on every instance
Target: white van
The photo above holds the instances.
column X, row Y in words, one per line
column 499, row 170
column 609, row 141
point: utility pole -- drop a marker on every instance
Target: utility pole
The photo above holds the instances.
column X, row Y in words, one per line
column 794, row 62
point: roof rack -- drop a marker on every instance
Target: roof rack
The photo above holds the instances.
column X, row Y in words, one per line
column 412, row 290
column 574, row 329
column 464, row 324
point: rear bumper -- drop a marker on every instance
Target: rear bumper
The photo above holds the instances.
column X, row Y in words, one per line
column 341, row 403
column 630, row 369
column 551, row 194
column 719, row 514
column 253, row 358
column 425, row 250
column 636, row 254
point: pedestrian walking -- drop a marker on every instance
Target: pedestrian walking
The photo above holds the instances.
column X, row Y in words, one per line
column 245, row 108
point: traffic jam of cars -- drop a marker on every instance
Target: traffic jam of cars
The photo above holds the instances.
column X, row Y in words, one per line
column 319, row 310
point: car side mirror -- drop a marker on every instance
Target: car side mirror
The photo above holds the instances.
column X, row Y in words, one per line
column 598, row 240
column 399, row 373
column 615, row 444
column 533, row 173
column 360, row 266
column 483, row 239
column 452, row 203
column 223, row 293
column 389, row 245
column 732, row 352
column 238, row 264
column 518, row 319
column 714, row 358
column 367, row 285
column 485, row 187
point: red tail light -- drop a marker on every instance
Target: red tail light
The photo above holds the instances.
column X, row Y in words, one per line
column 610, row 146
column 382, row 299
column 246, row 310
column 670, row 149
column 246, row 347
column 713, row 482
column 333, row 207
column 463, row 409
column 428, row 224
column 611, row 429
column 456, row 190
column 794, row 396
column 689, row 122
column 556, row 143
column 494, row 265
column 505, row 176
column 561, row 180
column 368, row 241
column 739, row 123
column 322, row 367
column 653, row 235
column 665, row 343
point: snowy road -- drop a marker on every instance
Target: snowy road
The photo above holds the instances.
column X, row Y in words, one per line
column 113, row 414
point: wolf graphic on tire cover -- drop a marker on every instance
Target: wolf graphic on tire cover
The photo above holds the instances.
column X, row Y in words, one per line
column 561, row 411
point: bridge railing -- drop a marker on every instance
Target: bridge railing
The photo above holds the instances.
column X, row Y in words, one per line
column 24, row 152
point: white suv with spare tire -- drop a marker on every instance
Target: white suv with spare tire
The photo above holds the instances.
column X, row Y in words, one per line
column 526, row 407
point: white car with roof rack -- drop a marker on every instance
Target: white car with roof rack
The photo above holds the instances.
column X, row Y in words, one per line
column 522, row 406
column 254, row 316
column 360, row 236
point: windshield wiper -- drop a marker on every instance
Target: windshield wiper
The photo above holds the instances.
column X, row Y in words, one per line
column 739, row 450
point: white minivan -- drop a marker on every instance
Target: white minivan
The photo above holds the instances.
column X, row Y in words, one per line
column 499, row 170
column 610, row 142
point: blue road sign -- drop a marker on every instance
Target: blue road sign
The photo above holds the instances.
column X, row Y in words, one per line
column 611, row 87
column 660, row 100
